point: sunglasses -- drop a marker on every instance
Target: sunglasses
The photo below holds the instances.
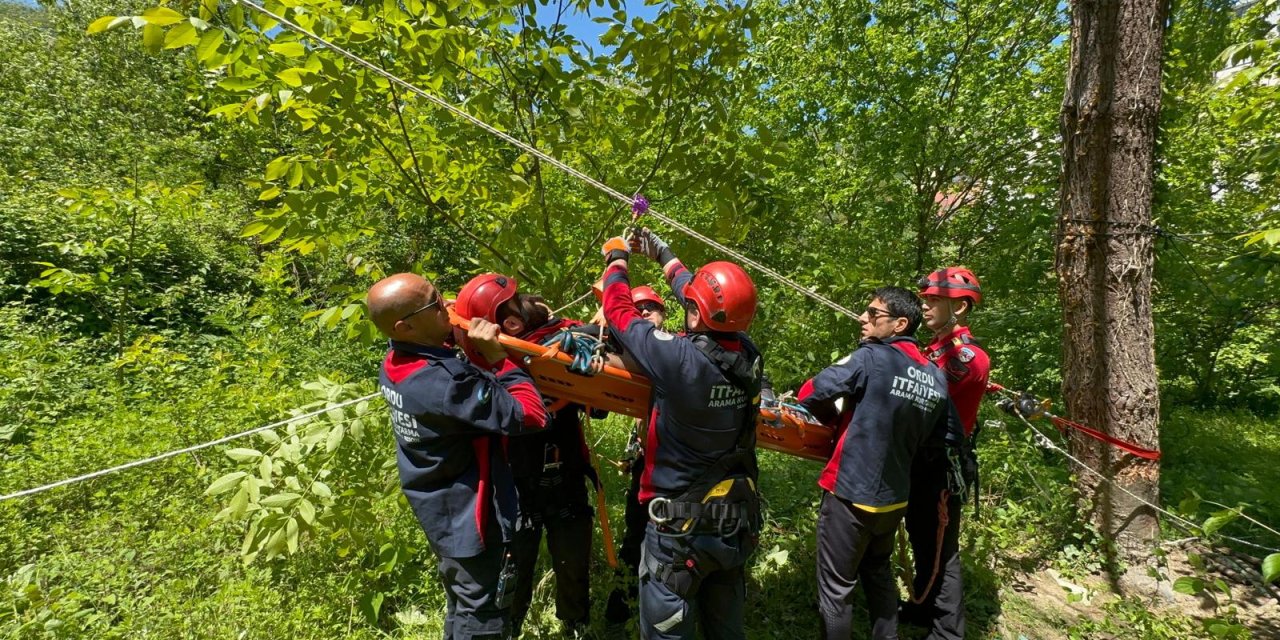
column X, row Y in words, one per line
column 649, row 307
column 875, row 314
column 421, row 309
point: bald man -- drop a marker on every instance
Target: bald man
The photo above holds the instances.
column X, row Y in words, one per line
column 450, row 419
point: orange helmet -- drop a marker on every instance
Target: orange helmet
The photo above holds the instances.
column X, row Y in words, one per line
column 484, row 295
column 952, row 282
column 725, row 295
column 645, row 293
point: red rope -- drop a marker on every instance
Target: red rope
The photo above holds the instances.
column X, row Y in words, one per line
column 1062, row 424
column 1146, row 454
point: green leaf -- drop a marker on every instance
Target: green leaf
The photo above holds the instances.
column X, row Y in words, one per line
column 153, row 38
column 280, row 500
column 292, row 76
column 239, row 505
column 307, row 511
column 1271, row 568
column 180, row 36
column 371, row 605
column 277, row 168
column 104, row 23
column 253, row 229
column 239, row 84
column 209, row 44
column 273, row 231
column 334, row 440
column 1218, row 521
column 289, row 49
column 321, row 489
column 291, row 534
column 243, row 455
column 1188, row 585
column 225, row 483
column 269, row 193
column 363, row 27
column 162, row 16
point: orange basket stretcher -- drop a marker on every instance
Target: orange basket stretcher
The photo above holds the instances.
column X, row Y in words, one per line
column 619, row 390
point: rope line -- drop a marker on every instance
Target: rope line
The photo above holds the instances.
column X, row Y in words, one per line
column 1188, row 525
column 178, row 452
column 551, row 160
column 573, row 302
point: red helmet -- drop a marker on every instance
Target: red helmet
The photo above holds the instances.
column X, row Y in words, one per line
column 952, row 282
column 646, row 294
column 725, row 295
column 484, row 295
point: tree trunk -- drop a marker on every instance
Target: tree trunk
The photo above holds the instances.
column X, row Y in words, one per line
column 1105, row 255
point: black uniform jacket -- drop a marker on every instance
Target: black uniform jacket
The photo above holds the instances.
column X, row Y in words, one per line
column 451, row 419
column 697, row 412
column 894, row 403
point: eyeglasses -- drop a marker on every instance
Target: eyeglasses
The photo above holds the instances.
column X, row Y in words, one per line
column 649, row 307
column 421, row 309
column 875, row 314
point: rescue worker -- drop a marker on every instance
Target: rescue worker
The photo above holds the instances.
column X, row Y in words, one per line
column 450, row 419
column 551, row 470
column 889, row 404
column 650, row 306
column 949, row 296
column 700, row 464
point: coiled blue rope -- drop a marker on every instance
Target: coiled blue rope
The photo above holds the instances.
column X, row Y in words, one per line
column 583, row 348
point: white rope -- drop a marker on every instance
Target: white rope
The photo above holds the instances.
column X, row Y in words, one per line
column 604, row 188
column 170, row 454
column 1192, row 527
column 575, row 301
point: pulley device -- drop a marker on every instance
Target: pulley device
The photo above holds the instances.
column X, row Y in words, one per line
column 1025, row 404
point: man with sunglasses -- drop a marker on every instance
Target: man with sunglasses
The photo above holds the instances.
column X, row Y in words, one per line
column 450, row 418
column 890, row 404
column 700, row 468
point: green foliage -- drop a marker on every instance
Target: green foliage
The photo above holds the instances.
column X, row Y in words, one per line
column 284, row 491
column 1214, row 311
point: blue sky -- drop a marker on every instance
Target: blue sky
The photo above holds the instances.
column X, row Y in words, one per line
column 581, row 25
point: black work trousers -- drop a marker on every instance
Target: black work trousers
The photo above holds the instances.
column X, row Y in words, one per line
column 474, row 588
column 562, row 512
column 691, row 583
column 942, row 609
column 855, row 545
column 636, row 515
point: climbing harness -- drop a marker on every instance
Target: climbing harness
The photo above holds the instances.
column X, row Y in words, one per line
column 1028, row 406
column 723, row 500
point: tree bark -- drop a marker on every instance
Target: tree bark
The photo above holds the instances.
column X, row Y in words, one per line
column 1105, row 255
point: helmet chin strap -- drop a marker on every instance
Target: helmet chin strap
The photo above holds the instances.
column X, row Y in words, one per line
column 952, row 320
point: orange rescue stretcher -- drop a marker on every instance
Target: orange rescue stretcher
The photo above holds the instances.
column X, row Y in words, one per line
column 619, row 390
